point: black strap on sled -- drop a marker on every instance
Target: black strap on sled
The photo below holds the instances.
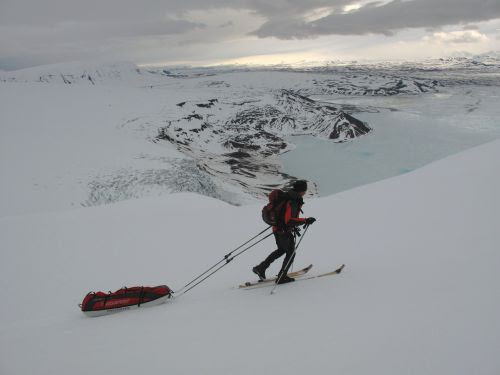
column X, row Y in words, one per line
column 106, row 300
column 141, row 297
column 225, row 260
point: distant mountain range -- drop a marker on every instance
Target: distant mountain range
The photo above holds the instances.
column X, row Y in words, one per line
column 102, row 73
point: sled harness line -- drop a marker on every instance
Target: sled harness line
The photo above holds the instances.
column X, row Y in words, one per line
column 292, row 257
column 225, row 260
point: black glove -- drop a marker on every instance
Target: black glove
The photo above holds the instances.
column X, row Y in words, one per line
column 310, row 220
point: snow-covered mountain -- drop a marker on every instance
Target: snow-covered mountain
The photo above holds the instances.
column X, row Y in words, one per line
column 112, row 132
column 346, row 77
column 125, row 73
column 228, row 133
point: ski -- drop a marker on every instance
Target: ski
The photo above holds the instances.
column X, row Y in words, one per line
column 293, row 274
column 269, row 283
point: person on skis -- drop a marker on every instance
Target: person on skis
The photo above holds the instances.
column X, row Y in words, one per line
column 285, row 234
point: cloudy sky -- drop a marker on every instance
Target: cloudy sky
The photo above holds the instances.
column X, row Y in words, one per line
column 204, row 32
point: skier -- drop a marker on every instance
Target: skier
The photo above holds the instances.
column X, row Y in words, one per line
column 285, row 237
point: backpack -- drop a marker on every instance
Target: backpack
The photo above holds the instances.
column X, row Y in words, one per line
column 273, row 213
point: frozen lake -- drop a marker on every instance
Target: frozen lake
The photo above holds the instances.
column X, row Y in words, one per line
column 408, row 132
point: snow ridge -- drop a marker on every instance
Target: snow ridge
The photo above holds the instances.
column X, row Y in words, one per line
column 83, row 73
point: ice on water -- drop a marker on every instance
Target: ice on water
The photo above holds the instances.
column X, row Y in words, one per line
column 409, row 132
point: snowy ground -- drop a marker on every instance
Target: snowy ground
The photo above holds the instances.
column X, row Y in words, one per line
column 56, row 140
column 420, row 293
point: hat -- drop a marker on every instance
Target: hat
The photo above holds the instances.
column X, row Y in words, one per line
column 300, row 185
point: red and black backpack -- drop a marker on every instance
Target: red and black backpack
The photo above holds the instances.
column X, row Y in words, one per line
column 273, row 213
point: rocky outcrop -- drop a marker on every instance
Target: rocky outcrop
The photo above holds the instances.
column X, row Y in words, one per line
column 259, row 127
column 239, row 141
column 369, row 84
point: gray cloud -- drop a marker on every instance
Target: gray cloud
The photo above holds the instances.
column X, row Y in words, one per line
column 470, row 27
column 20, row 62
column 117, row 29
column 47, row 31
column 227, row 24
column 50, row 12
column 378, row 18
column 74, row 29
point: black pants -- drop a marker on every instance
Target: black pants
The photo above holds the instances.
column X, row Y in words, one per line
column 286, row 245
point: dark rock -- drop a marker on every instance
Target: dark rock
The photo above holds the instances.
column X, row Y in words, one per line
column 235, row 144
column 238, row 154
column 193, row 116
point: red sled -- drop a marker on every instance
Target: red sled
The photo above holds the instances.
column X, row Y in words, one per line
column 100, row 303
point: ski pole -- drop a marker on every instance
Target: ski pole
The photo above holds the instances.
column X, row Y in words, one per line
column 225, row 264
column 222, row 260
column 289, row 260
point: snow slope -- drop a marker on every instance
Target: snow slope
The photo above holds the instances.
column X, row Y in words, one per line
column 420, row 293
column 61, row 143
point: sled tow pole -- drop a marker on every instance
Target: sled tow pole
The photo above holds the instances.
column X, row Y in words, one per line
column 222, row 263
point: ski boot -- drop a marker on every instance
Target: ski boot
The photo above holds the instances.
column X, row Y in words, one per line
column 284, row 279
column 259, row 272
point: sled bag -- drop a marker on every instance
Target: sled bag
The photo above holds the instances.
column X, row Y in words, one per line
column 134, row 296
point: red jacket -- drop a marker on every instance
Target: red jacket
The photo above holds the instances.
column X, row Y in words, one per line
column 292, row 213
